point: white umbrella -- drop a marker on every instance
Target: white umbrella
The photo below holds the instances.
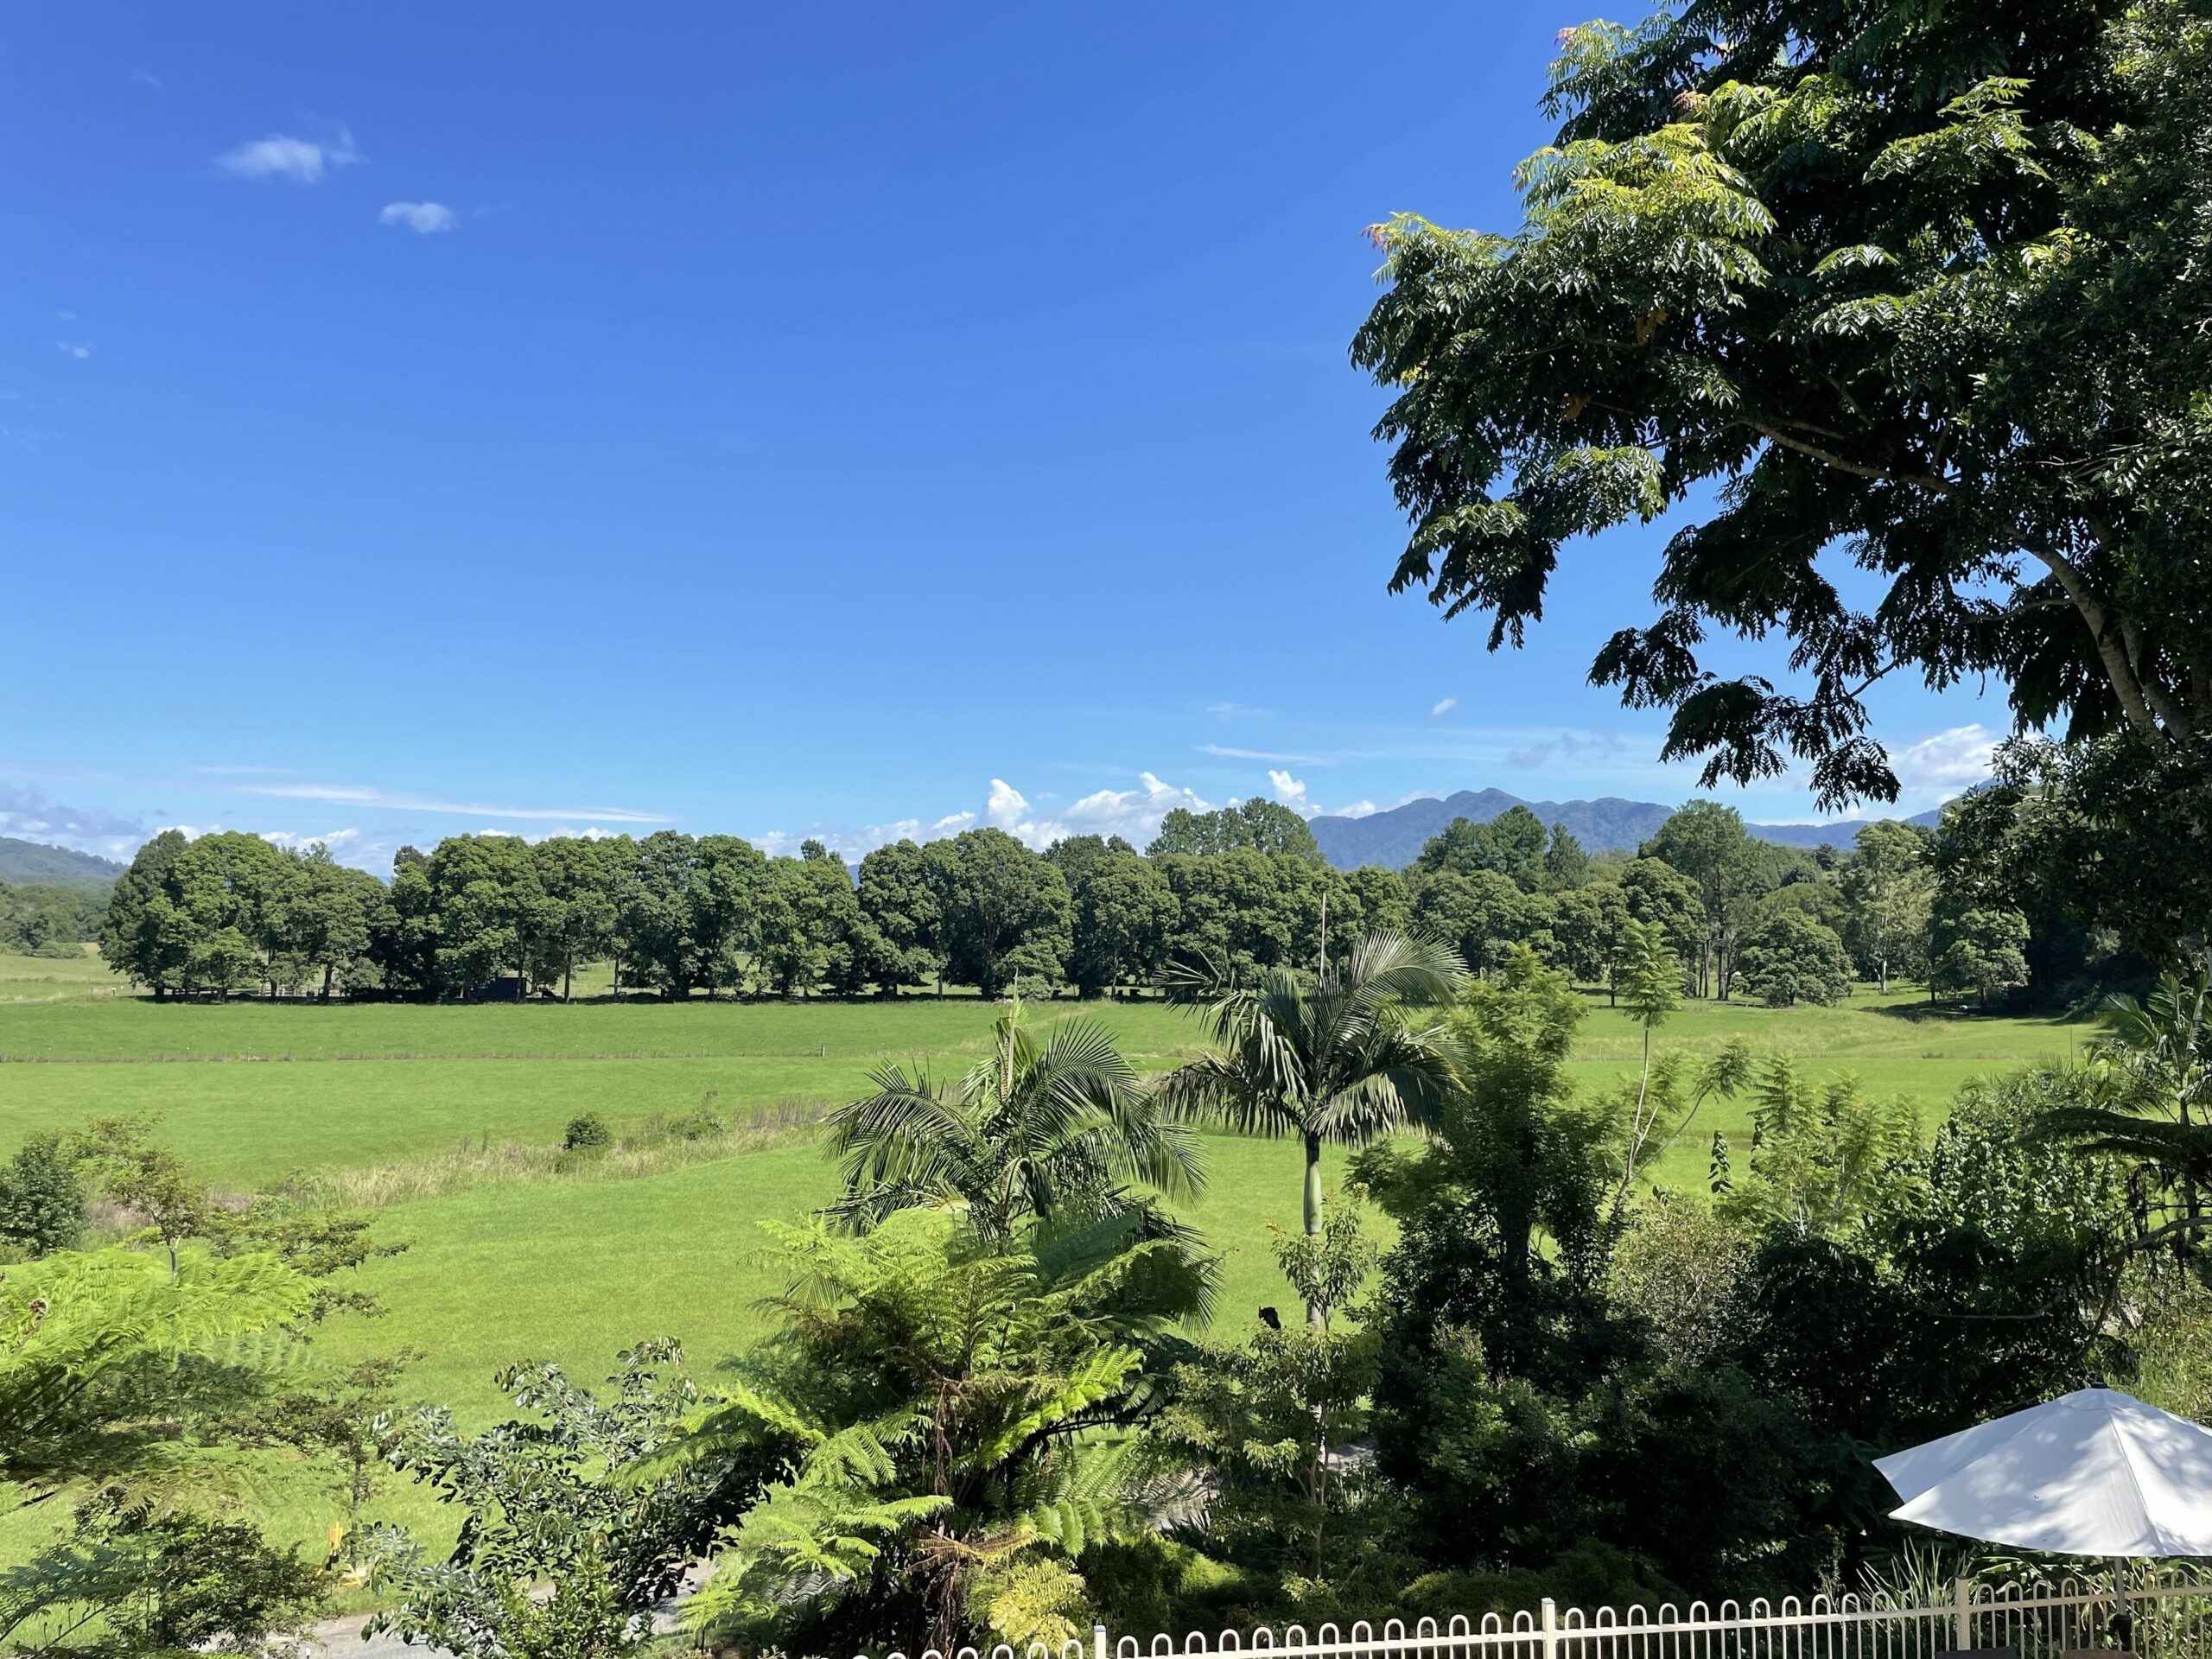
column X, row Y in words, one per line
column 2095, row 1472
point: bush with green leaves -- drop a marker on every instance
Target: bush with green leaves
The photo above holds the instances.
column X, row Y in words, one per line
column 124, row 1380
column 1823, row 1158
column 587, row 1132
column 955, row 1419
column 1267, row 1421
column 42, row 1198
column 559, row 1557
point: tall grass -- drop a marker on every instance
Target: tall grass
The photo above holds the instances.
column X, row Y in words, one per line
column 654, row 1144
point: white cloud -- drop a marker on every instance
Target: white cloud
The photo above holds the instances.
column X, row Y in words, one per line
column 333, row 840
column 1292, row 792
column 858, row 843
column 1132, row 814
column 1602, row 743
column 1236, row 710
column 1227, row 753
column 420, row 217
column 303, row 160
column 26, row 812
column 79, row 349
column 1444, row 707
column 1951, row 759
column 402, row 800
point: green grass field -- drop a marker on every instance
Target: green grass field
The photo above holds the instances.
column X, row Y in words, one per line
column 575, row 1267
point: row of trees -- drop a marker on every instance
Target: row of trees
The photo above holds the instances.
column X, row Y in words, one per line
column 678, row 915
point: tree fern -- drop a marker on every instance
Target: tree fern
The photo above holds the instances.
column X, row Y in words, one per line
column 953, row 1409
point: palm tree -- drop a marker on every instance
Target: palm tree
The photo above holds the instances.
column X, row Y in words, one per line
column 1050, row 1130
column 2152, row 1089
column 1338, row 1057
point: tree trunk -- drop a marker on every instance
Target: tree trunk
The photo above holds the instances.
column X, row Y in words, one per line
column 327, row 977
column 1314, row 1211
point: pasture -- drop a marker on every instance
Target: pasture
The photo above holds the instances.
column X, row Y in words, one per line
column 442, row 1118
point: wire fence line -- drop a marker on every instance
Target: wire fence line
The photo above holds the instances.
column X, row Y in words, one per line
column 2166, row 1615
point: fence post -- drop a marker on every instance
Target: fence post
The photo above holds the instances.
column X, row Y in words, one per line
column 1551, row 1629
column 1962, row 1630
column 1098, row 1641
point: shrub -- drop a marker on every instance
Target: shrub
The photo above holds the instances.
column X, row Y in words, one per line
column 588, row 1133
column 42, row 1197
column 697, row 1125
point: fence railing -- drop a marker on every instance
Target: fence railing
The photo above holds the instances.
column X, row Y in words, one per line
column 2167, row 1615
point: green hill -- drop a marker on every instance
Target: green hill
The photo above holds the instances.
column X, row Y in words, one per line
column 33, row 863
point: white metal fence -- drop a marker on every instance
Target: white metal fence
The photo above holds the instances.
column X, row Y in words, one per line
column 2169, row 1616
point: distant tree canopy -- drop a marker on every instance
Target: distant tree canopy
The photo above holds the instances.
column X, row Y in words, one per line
column 49, row 921
column 1254, row 826
column 680, row 916
column 1922, row 286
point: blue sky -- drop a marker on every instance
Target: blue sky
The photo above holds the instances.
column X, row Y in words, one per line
column 419, row 418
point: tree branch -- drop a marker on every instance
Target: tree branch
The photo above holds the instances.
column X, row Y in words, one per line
column 1843, row 464
column 2117, row 669
column 2154, row 691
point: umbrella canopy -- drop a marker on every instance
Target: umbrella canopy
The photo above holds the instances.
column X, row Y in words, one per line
column 2094, row 1472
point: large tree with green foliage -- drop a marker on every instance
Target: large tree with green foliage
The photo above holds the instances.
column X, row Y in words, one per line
column 1124, row 914
column 1657, row 893
column 1001, row 911
column 580, row 877
column 901, row 900
column 1481, row 912
column 1512, row 844
column 1887, row 887
column 1978, row 947
column 1706, row 842
column 1920, row 285
column 1253, row 825
column 1790, row 958
column 491, row 907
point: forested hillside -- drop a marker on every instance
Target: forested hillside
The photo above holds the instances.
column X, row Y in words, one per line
column 26, row 863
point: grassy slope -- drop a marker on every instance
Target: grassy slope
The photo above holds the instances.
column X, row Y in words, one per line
column 50, row 979
column 576, row 1269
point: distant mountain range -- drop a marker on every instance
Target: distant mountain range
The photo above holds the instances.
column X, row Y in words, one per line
column 1608, row 824
column 34, row 864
